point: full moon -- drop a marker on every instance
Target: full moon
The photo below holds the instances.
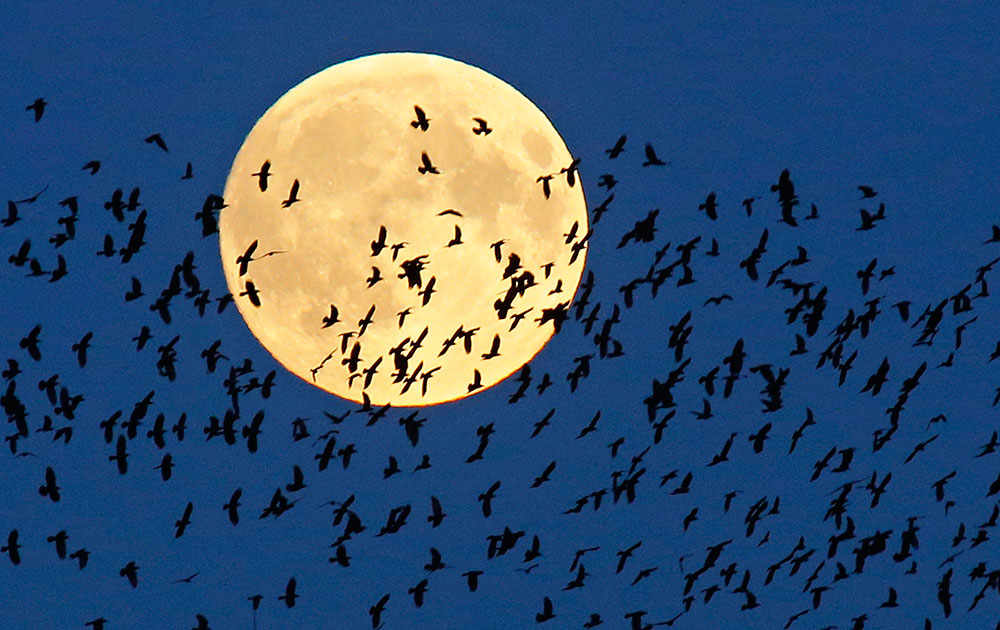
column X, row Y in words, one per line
column 405, row 227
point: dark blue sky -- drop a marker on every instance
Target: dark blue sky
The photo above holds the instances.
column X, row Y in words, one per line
column 898, row 97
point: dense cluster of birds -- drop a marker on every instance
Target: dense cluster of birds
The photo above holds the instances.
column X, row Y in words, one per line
column 823, row 560
column 415, row 359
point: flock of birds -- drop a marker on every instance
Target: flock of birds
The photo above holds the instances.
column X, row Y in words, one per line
column 824, row 560
column 412, row 358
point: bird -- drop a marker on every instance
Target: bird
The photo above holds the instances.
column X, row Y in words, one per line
column 292, row 195
column 376, row 611
column 12, row 548
column 332, row 318
column 290, row 595
column 494, row 349
column 617, row 148
column 486, row 499
column 231, row 507
column 81, row 347
column 157, row 139
column 251, row 293
column 426, row 166
column 188, row 172
column 422, row 121
column 135, row 292
column 38, row 107
column 130, row 572
column 710, row 207
column 262, row 175
column 868, row 220
column 50, row 489
column 12, row 216
column 187, row 580
column 651, row 157
column 546, row 187
column 481, row 128
column 477, row 381
column 185, row 520
column 93, row 166
column 716, row 300
column 546, row 613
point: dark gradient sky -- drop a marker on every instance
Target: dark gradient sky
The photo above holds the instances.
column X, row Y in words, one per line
column 903, row 98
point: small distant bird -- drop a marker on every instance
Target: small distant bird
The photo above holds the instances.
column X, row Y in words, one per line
column 188, row 172
column 651, row 157
column 422, row 121
column 482, row 129
column 710, row 207
column 616, row 150
column 157, row 139
column 332, row 318
column 50, row 489
column 290, row 595
column 546, row 613
column 262, row 175
column 868, row 219
column 426, row 166
column 292, row 195
column 867, row 192
column 546, row 188
column 718, row 299
column 570, row 172
column 93, row 166
column 377, row 610
column 251, row 293
column 12, row 216
column 130, row 571
column 135, row 292
column 607, row 180
column 995, row 238
column 477, row 381
column 39, row 108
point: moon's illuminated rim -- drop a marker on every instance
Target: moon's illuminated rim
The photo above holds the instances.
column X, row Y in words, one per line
column 345, row 134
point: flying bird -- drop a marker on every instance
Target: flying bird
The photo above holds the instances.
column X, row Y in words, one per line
column 292, row 195
column 481, row 129
column 38, row 107
column 426, row 166
column 422, row 122
column 157, row 139
column 651, row 158
column 262, row 175
column 618, row 147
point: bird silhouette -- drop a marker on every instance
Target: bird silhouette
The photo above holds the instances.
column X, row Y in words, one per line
column 262, row 175
column 651, row 157
column 293, row 193
column 426, row 166
column 618, row 147
column 422, row 121
column 481, row 128
column 38, row 107
column 157, row 139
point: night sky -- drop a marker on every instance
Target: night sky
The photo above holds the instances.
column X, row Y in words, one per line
column 900, row 99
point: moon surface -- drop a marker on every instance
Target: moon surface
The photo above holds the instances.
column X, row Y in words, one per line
column 350, row 140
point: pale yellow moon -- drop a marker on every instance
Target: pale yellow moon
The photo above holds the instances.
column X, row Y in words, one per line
column 351, row 137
